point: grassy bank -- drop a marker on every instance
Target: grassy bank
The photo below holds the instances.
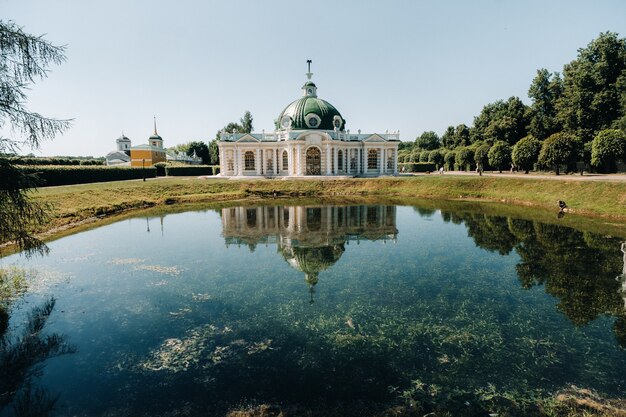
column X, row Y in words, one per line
column 601, row 206
column 592, row 198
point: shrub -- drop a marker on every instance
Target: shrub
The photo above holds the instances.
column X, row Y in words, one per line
column 424, row 156
column 51, row 175
column 464, row 157
column 607, row 148
column 417, row 167
column 449, row 160
column 436, row 157
column 500, row 155
column 526, row 153
column 557, row 150
column 188, row 170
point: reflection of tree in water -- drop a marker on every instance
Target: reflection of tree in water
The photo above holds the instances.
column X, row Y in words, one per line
column 21, row 357
column 578, row 268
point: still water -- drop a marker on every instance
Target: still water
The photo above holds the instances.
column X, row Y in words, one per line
column 343, row 310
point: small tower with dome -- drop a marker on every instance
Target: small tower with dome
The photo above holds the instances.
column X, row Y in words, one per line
column 155, row 139
column 123, row 144
column 310, row 139
column 149, row 154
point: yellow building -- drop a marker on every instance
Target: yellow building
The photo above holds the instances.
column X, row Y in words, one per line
column 150, row 154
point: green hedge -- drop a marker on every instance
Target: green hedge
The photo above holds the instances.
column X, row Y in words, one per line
column 160, row 168
column 66, row 175
column 189, row 170
column 417, row 167
column 21, row 160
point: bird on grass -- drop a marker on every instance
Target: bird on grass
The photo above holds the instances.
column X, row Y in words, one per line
column 562, row 205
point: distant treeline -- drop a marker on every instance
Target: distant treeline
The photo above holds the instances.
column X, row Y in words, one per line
column 23, row 160
column 576, row 120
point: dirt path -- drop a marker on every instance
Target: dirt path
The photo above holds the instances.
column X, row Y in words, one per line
column 562, row 177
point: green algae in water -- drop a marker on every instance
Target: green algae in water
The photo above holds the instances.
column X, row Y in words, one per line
column 343, row 310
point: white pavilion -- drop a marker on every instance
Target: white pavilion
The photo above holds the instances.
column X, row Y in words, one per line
column 310, row 139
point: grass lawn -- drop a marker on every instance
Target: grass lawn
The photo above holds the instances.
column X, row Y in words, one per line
column 590, row 198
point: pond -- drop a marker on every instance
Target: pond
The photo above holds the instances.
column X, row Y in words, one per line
column 322, row 310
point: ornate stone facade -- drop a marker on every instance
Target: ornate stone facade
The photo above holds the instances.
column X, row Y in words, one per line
column 310, row 139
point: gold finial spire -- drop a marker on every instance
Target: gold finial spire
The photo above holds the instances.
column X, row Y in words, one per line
column 155, row 131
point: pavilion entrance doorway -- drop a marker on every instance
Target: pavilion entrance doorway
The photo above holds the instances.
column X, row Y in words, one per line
column 313, row 161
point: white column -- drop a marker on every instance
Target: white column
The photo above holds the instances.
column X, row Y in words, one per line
column 384, row 158
column 299, row 160
column 358, row 161
column 327, row 159
column 364, row 161
column 236, row 161
column 289, row 160
column 395, row 161
column 256, row 162
column 380, row 156
column 349, row 152
column 336, row 160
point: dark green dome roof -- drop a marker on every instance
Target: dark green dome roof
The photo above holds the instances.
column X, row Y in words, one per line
column 155, row 136
column 299, row 109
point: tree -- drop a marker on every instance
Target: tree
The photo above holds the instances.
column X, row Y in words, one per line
column 557, row 150
column 461, row 135
column 526, row 153
column 245, row 126
column 424, row 156
column 607, row 148
column 246, row 122
column 463, row 158
column 481, row 155
column 500, row 155
column 545, row 90
column 201, row 149
column 214, row 153
column 24, row 58
column 427, row 141
column 448, row 139
column 436, row 157
column 502, row 120
column 594, row 85
column 449, row 160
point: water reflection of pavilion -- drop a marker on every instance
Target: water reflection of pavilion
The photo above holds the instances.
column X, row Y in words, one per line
column 310, row 238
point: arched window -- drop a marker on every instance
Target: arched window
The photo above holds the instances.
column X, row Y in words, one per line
column 372, row 159
column 248, row 159
column 285, row 161
column 340, row 160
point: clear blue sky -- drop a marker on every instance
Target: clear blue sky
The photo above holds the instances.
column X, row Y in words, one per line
column 197, row 65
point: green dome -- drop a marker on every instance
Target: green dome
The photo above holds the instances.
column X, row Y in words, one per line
column 300, row 110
